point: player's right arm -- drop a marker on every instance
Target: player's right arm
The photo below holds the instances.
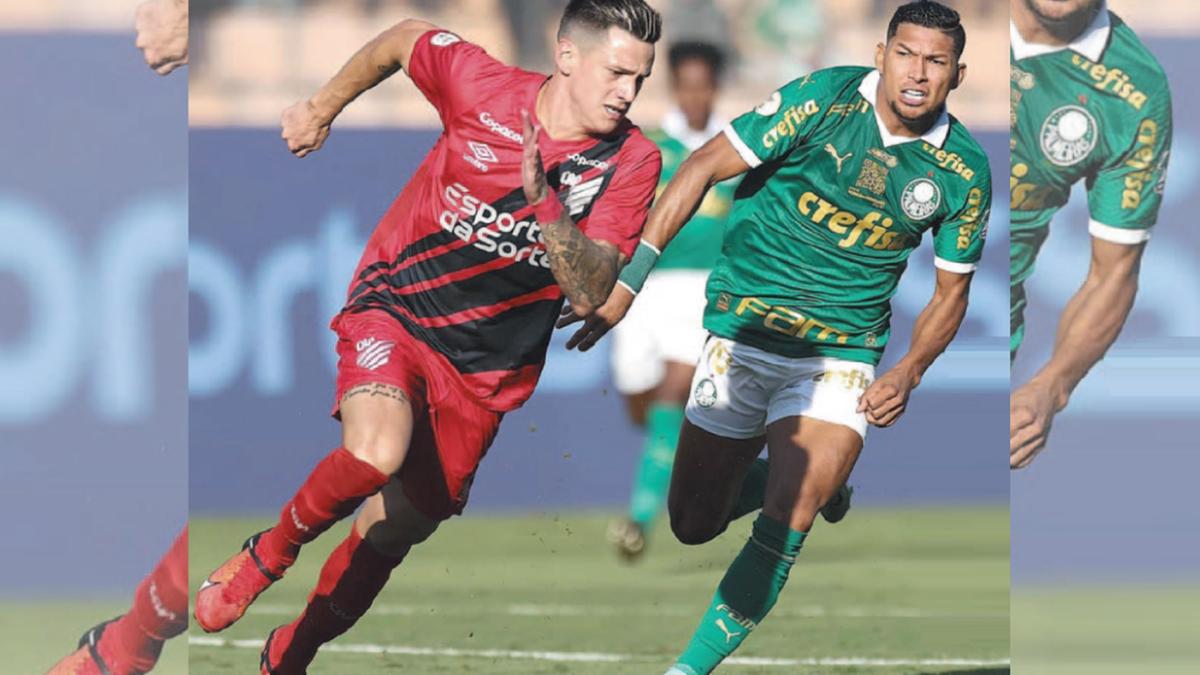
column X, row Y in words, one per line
column 306, row 124
column 712, row 163
column 767, row 133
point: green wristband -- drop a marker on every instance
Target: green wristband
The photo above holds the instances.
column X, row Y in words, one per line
column 635, row 273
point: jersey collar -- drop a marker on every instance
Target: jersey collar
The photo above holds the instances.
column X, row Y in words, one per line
column 936, row 135
column 1090, row 43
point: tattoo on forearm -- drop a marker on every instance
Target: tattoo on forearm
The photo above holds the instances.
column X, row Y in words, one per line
column 584, row 269
column 377, row 389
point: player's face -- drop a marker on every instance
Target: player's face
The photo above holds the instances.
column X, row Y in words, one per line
column 1053, row 12
column 918, row 69
column 607, row 76
column 695, row 88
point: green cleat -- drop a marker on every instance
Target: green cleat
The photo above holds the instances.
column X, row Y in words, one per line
column 835, row 509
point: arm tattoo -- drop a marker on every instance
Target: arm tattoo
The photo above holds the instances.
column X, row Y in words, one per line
column 377, row 389
column 585, row 270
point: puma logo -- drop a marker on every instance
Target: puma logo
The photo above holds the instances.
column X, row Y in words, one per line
column 729, row 635
column 833, row 151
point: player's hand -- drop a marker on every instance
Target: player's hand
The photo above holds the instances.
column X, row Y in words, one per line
column 162, row 33
column 1031, row 411
column 304, row 129
column 887, row 397
column 533, row 172
column 599, row 322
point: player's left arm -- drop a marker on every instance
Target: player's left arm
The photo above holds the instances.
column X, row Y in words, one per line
column 162, row 34
column 1089, row 325
column 585, row 268
column 887, row 398
column 958, row 247
column 1124, row 197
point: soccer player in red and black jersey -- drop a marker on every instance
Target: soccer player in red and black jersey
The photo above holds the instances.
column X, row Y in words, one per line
column 536, row 190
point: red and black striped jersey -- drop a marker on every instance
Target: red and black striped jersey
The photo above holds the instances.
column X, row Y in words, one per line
column 458, row 259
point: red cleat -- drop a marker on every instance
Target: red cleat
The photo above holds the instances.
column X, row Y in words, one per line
column 86, row 659
column 227, row 592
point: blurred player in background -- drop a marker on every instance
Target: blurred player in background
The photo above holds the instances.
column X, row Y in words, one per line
column 846, row 169
column 162, row 34
column 1089, row 103
column 449, row 315
column 655, row 348
column 131, row 643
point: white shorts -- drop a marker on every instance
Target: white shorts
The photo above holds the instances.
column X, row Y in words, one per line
column 738, row 390
column 663, row 324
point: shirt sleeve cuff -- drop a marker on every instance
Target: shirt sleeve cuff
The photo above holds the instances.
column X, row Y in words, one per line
column 1118, row 235
column 954, row 267
column 743, row 150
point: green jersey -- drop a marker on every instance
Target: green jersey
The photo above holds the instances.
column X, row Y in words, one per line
column 1097, row 110
column 824, row 222
column 698, row 244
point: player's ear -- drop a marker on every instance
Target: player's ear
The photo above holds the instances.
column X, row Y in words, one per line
column 879, row 50
column 566, row 56
column 960, row 74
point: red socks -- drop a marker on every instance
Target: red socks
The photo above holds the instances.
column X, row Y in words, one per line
column 158, row 613
column 333, row 490
column 352, row 577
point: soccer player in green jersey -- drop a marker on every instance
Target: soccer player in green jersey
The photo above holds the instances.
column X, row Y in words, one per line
column 1089, row 103
column 656, row 346
column 846, row 169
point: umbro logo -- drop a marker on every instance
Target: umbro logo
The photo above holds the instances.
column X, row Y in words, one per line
column 373, row 353
column 480, row 156
column 482, row 152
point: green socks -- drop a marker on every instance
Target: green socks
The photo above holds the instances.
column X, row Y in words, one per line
column 658, row 455
column 745, row 596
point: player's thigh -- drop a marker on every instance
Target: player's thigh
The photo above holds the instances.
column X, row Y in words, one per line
column 676, row 383
column 809, row 460
column 637, row 405
column 706, row 481
column 377, row 424
column 390, row 522
column 380, row 388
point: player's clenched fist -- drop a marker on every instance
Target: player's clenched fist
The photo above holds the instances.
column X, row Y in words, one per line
column 1031, row 413
column 887, row 397
column 304, row 129
column 162, row 33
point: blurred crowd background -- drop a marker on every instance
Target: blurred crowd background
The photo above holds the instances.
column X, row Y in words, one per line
column 254, row 57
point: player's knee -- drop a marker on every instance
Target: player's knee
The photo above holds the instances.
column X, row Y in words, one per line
column 395, row 536
column 692, row 529
column 384, row 456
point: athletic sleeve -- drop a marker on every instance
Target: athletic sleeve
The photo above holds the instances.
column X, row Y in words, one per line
column 782, row 122
column 1125, row 194
column 620, row 213
column 452, row 73
column 958, row 241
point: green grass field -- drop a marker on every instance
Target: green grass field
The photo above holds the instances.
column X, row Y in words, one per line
column 36, row 635
column 1106, row 630
column 886, row 591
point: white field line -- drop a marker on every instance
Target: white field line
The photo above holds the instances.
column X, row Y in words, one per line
column 603, row 657
column 530, row 610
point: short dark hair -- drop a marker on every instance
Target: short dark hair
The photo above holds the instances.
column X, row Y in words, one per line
column 708, row 53
column 632, row 16
column 930, row 14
